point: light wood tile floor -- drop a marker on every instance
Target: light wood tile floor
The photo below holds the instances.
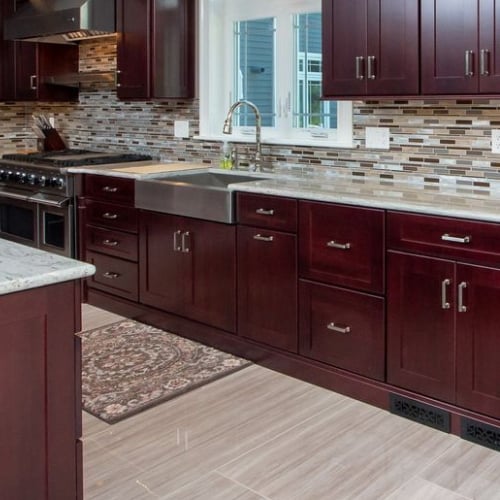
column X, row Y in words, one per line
column 257, row 434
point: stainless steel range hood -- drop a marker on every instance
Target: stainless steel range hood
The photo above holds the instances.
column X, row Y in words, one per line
column 60, row 21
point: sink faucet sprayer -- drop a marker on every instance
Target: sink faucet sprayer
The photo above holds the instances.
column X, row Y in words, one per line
column 228, row 128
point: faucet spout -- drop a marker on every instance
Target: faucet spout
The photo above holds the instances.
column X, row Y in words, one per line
column 228, row 127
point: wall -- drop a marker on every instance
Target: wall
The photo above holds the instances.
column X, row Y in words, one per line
column 427, row 137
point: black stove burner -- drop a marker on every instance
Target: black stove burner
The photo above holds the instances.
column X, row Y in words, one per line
column 74, row 158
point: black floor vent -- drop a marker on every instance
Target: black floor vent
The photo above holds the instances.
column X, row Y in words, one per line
column 420, row 412
column 479, row 433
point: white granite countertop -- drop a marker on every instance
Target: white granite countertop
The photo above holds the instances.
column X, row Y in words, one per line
column 23, row 267
column 477, row 199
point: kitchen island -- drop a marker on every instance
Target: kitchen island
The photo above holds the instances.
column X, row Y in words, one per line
column 40, row 403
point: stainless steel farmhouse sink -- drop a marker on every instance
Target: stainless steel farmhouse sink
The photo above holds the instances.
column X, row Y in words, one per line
column 202, row 195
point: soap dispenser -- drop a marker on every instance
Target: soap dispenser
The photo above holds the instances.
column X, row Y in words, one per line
column 226, row 161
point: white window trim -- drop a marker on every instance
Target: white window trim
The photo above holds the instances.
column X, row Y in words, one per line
column 213, row 60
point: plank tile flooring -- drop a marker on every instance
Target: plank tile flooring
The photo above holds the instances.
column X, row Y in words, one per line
column 257, row 434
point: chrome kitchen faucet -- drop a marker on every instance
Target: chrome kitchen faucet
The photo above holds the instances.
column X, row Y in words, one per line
column 228, row 129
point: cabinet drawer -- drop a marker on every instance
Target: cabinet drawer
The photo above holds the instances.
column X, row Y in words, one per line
column 112, row 216
column 110, row 242
column 444, row 237
column 111, row 189
column 342, row 328
column 342, row 245
column 115, row 276
column 269, row 212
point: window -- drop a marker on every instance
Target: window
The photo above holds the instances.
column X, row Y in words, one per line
column 268, row 52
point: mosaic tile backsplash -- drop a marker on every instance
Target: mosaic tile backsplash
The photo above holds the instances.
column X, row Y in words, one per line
column 449, row 137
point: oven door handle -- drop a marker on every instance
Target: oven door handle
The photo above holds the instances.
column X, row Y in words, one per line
column 13, row 195
column 50, row 202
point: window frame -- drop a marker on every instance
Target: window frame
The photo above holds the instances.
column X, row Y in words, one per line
column 216, row 59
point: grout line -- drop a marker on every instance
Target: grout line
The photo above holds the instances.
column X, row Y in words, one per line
column 264, row 497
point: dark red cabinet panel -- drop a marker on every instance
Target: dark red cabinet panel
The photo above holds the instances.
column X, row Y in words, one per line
column 267, row 287
column 370, row 47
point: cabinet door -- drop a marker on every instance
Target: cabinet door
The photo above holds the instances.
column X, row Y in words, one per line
column 209, row 254
column 344, row 47
column 162, row 265
column 26, row 71
column 267, row 287
column 478, row 338
column 420, row 325
column 393, row 47
column 489, row 53
column 173, row 48
column 133, row 49
column 449, row 46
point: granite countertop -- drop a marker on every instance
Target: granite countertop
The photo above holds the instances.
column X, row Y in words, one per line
column 477, row 199
column 23, row 267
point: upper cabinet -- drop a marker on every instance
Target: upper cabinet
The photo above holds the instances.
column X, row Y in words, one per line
column 156, row 41
column 459, row 55
column 370, row 47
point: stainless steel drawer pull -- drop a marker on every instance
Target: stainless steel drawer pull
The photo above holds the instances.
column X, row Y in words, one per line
column 177, row 247
column 267, row 239
column 484, row 62
column 110, row 243
column 109, row 189
column 444, row 300
column 186, row 242
column 263, row 211
column 110, row 276
column 461, row 306
column 360, row 68
column 109, row 216
column 456, row 239
column 371, row 68
column 339, row 246
column 33, row 82
column 338, row 328
column 469, row 62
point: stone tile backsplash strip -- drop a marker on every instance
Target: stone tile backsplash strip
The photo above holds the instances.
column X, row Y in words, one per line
column 429, row 138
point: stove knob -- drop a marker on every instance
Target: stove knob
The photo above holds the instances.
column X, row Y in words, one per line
column 23, row 178
column 42, row 181
column 3, row 175
column 8, row 175
column 60, row 182
column 32, row 179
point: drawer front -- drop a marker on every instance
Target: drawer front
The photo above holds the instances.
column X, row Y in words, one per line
column 269, row 212
column 343, row 328
column 110, row 189
column 444, row 237
column 114, row 276
column 111, row 216
column 342, row 245
column 111, row 242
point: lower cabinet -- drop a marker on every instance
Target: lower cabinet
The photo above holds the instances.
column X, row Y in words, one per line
column 443, row 334
column 188, row 267
column 343, row 328
column 267, row 287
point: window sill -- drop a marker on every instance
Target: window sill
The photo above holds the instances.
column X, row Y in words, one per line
column 318, row 143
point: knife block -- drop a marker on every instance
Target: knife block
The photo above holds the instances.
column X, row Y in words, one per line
column 53, row 141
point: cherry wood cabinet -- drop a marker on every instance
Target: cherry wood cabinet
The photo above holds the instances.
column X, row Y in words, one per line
column 188, row 267
column 267, row 270
column 156, row 41
column 40, row 416
column 370, row 47
column 442, row 335
column 459, row 49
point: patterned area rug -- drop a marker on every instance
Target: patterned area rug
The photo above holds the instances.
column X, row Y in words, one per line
column 128, row 366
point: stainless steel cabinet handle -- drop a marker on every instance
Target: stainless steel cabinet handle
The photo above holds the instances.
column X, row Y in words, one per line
column 484, row 62
column 110, row 243
column 444, row 300
column 469, row 62
column 109, row 216
column 177, row 247
column 267, row 239
column 360, row 68
column 264, row 211
column 186, row 242
column 109, row 189
column 371, row 67
column 339, row 246
column 117, row 83
column 33, row 82
column 338, row 328
column 461, row 306
column 110, row 275
column 464, row 240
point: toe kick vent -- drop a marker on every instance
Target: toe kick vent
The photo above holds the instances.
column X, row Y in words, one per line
column 420, row 412
column 479, row 433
